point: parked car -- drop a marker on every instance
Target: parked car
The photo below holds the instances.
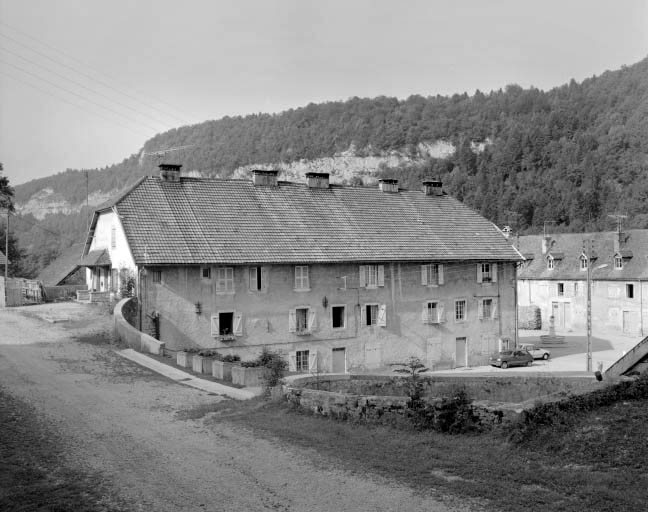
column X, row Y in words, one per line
column 511, row 358
column 535, row 351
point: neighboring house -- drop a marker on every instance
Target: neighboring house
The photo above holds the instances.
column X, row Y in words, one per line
column 333, row 276
column 65, row 269
column 554, row 278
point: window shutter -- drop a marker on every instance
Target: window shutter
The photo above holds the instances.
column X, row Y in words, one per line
column 214, row 325
column 424, row 275
column 382, row 315
column 424, row 314
column 381, row 275
column 441, row 309
column 292, row 361
column 363, row 277
column 494, row 272
column 292, row 321
column 312, row 361
column 495, row 308
column 480, row 308
column 264, row 278
column 479, row 273
column 312, row 317
column 440, row 267
column 238, row 323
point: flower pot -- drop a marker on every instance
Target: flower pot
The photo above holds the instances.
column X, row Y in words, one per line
column 184, row 359
column 202, row 364
column 249, row 377
column 222, row 370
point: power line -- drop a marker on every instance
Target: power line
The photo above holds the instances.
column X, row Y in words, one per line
column 84, row 64
column 80, row 96
column 44, row 91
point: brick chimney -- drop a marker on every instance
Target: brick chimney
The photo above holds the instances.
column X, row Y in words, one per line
column 170, row 172
column 264, row 177
column 388, row 185
column 317, row 179
column 432, row 187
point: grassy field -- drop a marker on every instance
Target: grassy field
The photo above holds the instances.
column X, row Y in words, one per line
column 598, row 462
column 33, row 474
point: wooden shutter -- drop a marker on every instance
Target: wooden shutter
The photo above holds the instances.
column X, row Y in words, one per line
column 382, row 315
column 441, row 311
column 479, row 273
column 424, row 281
column 381, row 275
column 214, row 325
column 494, row 272
column 440, row 267
column 292, row 321
column 363, row 277
column 312, row 361
column 424, row 314
column 264, row 278
column 292, row 361
column 238, row 323
column 495, row 308
column 312, row 318
column 480, row 308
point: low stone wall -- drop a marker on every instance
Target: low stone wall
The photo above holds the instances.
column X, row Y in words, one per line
column 130, row 335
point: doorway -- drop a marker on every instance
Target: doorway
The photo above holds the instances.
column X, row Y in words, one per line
column 461, row 359
column 338, row 360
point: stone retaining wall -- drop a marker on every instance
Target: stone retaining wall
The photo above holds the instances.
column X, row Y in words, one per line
column 130, row 335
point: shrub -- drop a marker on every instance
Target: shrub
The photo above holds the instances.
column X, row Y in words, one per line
column 230, row 358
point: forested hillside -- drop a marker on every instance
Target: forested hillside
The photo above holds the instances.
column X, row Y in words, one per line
column 570, row 156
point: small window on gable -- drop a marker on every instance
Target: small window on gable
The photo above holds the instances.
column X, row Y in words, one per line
column 550, row 263
column 583, row 262
column 630, row 291
column 205, row 273
column 618, row 262
column 561, row 289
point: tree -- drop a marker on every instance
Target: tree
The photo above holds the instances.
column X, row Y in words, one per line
column 15, row 254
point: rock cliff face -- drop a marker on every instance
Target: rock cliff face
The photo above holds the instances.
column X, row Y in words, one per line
column 46, row 202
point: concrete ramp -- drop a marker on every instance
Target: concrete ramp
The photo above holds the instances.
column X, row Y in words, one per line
column 629, row 360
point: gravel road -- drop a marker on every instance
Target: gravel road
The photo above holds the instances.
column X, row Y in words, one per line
column 127, row 423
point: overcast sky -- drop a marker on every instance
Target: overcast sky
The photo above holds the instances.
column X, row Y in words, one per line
column 84, row 83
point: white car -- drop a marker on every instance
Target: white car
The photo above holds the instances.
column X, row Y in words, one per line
column 535, row 351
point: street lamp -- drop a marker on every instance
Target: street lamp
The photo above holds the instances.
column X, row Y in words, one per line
column 6, row 273
column 589, row 309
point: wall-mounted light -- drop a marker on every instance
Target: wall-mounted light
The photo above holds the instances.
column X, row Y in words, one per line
column 198, row 308
column 324, row 302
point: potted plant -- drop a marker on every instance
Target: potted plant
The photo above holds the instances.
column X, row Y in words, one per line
column 222, row 366
column 184, row 357
column 202, row 361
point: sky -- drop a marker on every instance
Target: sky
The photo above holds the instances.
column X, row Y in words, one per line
column 85, row 83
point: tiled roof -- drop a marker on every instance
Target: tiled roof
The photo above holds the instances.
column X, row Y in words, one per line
column 633, row 250
column 67, row 262
column 98, row 258
column 200, row 220
column 3, row 259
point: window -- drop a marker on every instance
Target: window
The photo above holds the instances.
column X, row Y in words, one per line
column 561, row 289
column 301, row 360
column 301, row 319
column 225, row 323
column 432, row 312
column 113, row 238
column 156, row 276
column 550, row 263
column 431, row 274
column 460, row 310
column 205, row 273
column 486, row 272
column 338, row 317
column 630, row 291
column 618, row 262
column 225, row 280
column 487, row 308
column 583, row 263
column 371, row 314
column 372, row 276
column 257, row 277
column 301, row 277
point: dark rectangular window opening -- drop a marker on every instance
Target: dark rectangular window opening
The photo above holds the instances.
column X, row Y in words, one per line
column 630, row 291
column 338, row 316
column 156, row 276
column 225, row 323
column 206, row 273
column 561, row 289
column 372, row 314
column 301, row 319
column 256, row 282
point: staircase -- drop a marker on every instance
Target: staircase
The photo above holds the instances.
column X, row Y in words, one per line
column 636, row 359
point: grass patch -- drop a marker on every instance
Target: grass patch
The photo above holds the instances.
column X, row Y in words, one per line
column 33, row 475
column 599, row 466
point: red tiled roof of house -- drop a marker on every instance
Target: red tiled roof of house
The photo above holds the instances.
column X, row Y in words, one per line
column 202, row 220
column 633, row 251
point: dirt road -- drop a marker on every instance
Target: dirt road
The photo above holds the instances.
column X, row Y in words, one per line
column 128, row 424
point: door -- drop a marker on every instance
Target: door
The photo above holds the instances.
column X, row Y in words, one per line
column 461, row 353
column 630, row 322
column 558, row 312
column 338, row 360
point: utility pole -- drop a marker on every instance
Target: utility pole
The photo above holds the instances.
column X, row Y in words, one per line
column 589, row 305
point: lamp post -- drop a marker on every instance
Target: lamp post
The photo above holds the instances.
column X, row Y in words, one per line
column 6, row 270
column 589, row 305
